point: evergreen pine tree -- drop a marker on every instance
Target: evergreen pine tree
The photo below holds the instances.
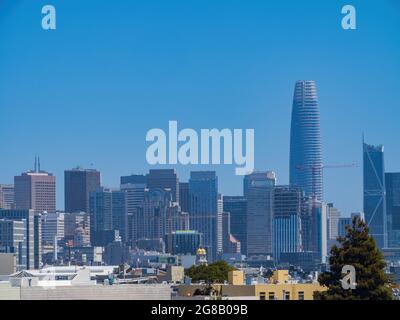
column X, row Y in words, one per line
column 357, row 249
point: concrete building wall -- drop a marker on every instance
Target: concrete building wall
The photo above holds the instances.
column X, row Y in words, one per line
column 8, row 263
column 7, row 292
column 98, row 292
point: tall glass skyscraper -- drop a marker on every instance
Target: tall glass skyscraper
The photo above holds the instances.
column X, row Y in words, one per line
column 260, row 215
column 305, row 140
column 237, row 207
column 78, row 184
column 203, row 210
column 374, row 193
column 392, row 180
column 287, row 220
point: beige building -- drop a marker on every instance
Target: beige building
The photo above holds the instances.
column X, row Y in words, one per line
column 35, row 190
column 280, row 287
column 7, row 198
column 173, row 274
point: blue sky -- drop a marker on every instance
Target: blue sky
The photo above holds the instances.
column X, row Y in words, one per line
column 88, row 92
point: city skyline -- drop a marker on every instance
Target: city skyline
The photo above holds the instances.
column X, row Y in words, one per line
column 242, row 70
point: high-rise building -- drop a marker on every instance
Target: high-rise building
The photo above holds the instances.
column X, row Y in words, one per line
column 333, row 216
column 77, row 228
column 220, row 231
column 164, row 179
column 343, row 222
column 305, row 140
column 7, row 197
column 203, row 209
column 107, row 216
column 374, row 193
column 183, row 242
column 225, row 231
column 78, row 184
column 184, row 196
column 134, row 196
column 287, row 209
column 35, row 190
column 237, row 207
column 33, row 234
column 314, row 228
column 392, row 180
column 260, row 214
column 321, row 230
column 159, row 216
column 257, row 177
column 52, row 227
column 134, row 179
column 359, row 215
column 13, row 239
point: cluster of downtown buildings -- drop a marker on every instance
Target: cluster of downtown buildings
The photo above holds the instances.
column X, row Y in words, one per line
column 268, row 225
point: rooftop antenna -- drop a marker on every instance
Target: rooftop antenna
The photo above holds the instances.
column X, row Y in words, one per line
column 35, row 167
column 38, row 164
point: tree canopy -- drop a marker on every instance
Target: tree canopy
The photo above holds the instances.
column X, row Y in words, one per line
column 216, row 272
column 357, row 249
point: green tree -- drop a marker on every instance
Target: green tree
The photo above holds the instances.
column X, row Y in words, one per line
column 216, row 272
column 357, row 249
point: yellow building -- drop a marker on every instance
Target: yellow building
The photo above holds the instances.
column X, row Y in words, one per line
column 236, row 277
column 280, row 276
column 279, row 288
column 270, row 291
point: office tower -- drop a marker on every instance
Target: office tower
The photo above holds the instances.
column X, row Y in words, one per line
column 237, row 207
column 13, row 239
column 107, row 216
column 305, row 140
column 116, row 253
column 33, row 234
column 321, row 230
column 229, row 243
column 343, row 222
column 184, row 196
column 176, row 219
column 233, row 245
column 287, row 207
column 7, row 197
column 53, row 227
column 77, row 228
column 164, row 179
column 134, row 179
column 134, row 196
column 314, row 227
column 151, row 215
column 374, row 193
column 359, row 215
column 183, row 242
column 392, row 181
column 333, row 216
column 259, row 215
column 35, row 190
column 158, row 215
column 257, row 177
column 37, row 236
column 78, row 184
column 119, row 217
column 220, row 212
column 203, row 209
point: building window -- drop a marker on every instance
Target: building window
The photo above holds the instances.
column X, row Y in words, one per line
column 301, row 295
column 271, row 296
column 262, row 295
column 287, row 295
